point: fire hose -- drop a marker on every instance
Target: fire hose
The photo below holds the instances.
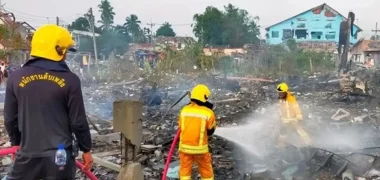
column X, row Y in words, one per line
column 172, row 147
column 166, row 168
column 12, row 151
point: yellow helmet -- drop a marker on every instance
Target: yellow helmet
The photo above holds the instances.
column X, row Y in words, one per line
column 51, row 42
column 200, row 92
column 283, row 87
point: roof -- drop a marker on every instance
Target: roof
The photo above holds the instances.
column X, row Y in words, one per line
column 164, row 40
column 367, row 45
column 84, row 33
column 322, row 6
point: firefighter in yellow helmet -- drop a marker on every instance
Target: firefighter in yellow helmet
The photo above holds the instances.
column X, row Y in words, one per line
column 43, row 108
column 291, row 115
column 197, row 122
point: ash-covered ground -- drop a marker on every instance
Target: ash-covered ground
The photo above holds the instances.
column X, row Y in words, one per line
column 244, row 144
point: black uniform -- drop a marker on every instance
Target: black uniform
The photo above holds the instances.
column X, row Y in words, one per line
column 43, row 108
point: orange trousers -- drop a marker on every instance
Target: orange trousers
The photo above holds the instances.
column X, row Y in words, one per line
column 203, row 161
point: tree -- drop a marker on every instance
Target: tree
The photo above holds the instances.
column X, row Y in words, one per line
column 148, row 34
column 232, row 27
column 209, row 26
column 132, row 25
column 11, row 40
column 240, row 28
column 107, row 15
column 80, row 24
column 374, row 37
column 112, row 41
column 165, row 30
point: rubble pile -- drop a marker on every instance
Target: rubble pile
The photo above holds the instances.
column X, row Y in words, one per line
column 158, row 132
column 328, row 112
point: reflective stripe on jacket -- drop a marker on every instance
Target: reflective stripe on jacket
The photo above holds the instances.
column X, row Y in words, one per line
column 194, row 121
column 290, row 110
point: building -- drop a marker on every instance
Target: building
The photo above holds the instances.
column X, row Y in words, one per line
column 78, row 35
column 16, row 47
column 175, row 43
column 321, row 23
column 364, row 50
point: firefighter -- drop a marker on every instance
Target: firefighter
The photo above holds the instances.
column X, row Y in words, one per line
column 44, row 108
column 291, row 115
column 197, row 122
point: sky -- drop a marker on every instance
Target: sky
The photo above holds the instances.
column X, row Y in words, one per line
column 180, row 12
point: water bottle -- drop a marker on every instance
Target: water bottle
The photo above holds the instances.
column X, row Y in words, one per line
column 61, row 157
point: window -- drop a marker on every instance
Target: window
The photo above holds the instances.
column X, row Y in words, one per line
column 301, row 25
column 275, row 34
column 328, row 26
column 287, row 34
column 330, row 35
column 301, row 34
column 316, row 35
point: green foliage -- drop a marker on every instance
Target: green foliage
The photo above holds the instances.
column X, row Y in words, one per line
column 4, row 32
column 165, row 30
column 183, row 60
column 132, row 25
column 3, row 54
column 107, row 15
column 80, row 24
column 232, row 27
column 209, row 26
column 11, row 39
column 290, row 60
column 111, row 41
column 377, row 37
column 112, row 38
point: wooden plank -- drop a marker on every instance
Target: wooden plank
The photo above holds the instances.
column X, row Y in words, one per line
column 104, row 163
column 108, row 153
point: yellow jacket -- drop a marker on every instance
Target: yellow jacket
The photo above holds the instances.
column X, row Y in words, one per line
column 289, row 109
column 194, row 121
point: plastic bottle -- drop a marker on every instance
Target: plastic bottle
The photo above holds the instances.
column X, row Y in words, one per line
column 61, row 156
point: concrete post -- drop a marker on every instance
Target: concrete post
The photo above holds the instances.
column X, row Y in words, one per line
column 127, row 119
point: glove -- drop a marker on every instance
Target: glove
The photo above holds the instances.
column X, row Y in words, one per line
column 87, row 161
column 13, row 156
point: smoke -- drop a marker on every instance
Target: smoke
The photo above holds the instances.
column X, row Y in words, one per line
column 259, row 135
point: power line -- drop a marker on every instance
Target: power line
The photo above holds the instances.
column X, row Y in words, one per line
column 38, row 16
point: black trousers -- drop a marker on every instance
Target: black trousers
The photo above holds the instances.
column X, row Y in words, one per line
column 36, row 168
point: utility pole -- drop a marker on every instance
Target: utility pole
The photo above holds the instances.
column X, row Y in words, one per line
column 151, row 30
column 57, row 20
column 376, row 30
column 92, row 24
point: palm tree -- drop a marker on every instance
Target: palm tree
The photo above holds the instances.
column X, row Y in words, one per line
column 148, row 34
column 107, row 14
column 132, row 25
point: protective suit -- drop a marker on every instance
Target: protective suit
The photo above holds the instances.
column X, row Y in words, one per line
column 197, row 122
column 43, row 108
column 291, row 115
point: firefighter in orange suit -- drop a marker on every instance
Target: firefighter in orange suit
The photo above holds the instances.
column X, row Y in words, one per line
column 197, row 122
column 291, row 115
